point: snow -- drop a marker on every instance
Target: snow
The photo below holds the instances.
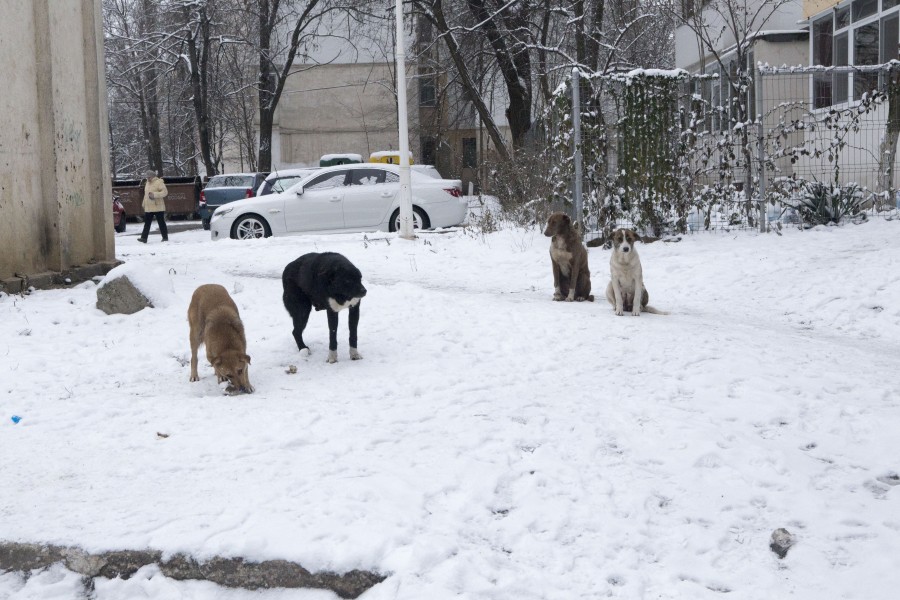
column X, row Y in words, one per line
column 150, row 280
column 492, row 443
column 353, row 157
column 385, row 154
column 670, row 73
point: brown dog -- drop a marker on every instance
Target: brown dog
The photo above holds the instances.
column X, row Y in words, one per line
column 571, row 276
column 214, row 320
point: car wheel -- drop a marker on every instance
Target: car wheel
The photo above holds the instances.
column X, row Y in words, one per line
column 206, row 224
column 420, row 219
column 250, row 227
column 120, row 228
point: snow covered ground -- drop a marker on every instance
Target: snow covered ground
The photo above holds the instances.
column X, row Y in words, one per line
column 492, row 444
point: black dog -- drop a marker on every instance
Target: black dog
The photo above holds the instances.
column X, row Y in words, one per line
column 326, row 281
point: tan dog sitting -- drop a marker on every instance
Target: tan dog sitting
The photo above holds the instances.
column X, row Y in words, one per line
column 214, row 321
column 626, row 290
column 571, row 276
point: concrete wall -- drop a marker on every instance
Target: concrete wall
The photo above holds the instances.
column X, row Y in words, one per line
column 55, row 198
column 784, row 17
column 814, row 7
column 342, row 108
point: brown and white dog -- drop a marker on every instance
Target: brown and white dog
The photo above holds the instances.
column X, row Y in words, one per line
column 571, row 275
column 215, row 322
column 626, row 284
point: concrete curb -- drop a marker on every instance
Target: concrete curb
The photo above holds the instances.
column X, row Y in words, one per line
column 228, row 572
column 52, row 279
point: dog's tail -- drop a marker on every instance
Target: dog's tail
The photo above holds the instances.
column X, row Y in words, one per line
column 655, row 311
column 590, row 298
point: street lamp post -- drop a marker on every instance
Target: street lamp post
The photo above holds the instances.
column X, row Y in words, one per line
column 406, row 212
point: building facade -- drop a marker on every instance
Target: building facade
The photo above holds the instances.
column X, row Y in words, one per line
column 341, row 98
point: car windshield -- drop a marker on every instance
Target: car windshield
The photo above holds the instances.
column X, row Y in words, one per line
column 231, row 181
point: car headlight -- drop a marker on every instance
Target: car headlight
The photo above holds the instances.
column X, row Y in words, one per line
column 221, row 212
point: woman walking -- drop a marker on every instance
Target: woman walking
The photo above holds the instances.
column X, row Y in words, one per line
column 154, row 205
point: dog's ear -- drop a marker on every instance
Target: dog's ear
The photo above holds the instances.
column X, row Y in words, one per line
column 566, row 219
column 632, row 236
column 247, row 358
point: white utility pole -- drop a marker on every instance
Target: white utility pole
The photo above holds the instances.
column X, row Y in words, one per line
column 406, row 212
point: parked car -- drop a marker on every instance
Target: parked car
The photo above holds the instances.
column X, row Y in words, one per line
column 429, row 170
column 222, row 189
column 356, row 197
column 391, row 157
column 118, row 215
column 279, row 181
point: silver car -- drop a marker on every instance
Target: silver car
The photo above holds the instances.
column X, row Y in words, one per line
column 355, row 197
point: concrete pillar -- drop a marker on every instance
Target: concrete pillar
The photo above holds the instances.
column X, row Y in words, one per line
column 55, row 196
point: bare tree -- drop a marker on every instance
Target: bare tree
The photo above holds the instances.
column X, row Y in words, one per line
column 134, row 67
column 196, row 39
column 725, row 29
column 283, row 28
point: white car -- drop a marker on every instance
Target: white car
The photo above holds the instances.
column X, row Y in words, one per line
column 280, row 180
column 355, row 197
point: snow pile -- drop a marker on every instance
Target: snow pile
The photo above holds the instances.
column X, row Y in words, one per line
column 492, row 443
column 154, row 283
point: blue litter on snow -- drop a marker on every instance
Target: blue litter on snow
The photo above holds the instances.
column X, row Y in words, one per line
column 16, row 418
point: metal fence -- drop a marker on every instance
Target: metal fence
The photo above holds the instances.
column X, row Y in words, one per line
column 671, row 152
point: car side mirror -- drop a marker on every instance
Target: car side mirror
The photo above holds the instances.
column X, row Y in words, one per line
column 299, row 191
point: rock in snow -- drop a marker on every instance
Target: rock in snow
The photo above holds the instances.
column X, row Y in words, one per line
column 782, row 540
column 121, row 296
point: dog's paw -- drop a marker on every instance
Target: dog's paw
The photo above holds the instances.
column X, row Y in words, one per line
column 636, row 312
column 620, row 312
column 557, row 297
column 354, row 354
column 305, row 352
column 579, row 299
column 332, row 357
column 570, row 299
column 195, row 378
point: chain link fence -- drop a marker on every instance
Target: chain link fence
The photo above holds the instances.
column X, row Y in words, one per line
column 668, row 152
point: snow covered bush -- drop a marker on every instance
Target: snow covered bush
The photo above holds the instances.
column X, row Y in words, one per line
column 823, row 203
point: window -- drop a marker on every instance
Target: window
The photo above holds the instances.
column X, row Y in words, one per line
column 842, row 17
column 688, row 10
column 424, row 35
column 715, row 100
column 390, row 177
column 283, row 183
column 692, row 8
column 864, row 8
column 854, row 35
column 427, row 90
column 469, row 153
column 890, row 44
column 840, row 81
column 231, row 181
column 865, row 52
column 367, row 176
column 429, row 150
column 327, row 181
column 823, row 46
